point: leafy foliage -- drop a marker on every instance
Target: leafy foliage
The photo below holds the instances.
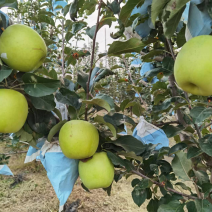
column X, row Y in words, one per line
column 113, row 95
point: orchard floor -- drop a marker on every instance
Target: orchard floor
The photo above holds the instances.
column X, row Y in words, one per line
column 35, row 193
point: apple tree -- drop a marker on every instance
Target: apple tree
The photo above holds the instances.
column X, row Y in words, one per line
column 151, row 31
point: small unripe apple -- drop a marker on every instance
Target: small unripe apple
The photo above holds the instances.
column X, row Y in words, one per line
column 22, row 48
column 193, row 66
column 98, row 172
column 13, row 111
column 78, row 139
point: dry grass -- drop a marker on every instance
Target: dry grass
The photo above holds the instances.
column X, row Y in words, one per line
column 35, row 193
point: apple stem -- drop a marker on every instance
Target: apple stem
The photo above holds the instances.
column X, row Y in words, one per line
column 92, row 58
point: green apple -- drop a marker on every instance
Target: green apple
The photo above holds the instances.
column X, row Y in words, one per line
column 13, row 111
column 22, row 48
column 193, row 66
column 78, row 139
column 97, row 172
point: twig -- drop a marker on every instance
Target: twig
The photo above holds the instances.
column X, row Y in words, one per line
column 208, row 125
column 171, row 122
column 92, row 57
column 170, row 48
column 120, row 1
column 12, row 153
column 162, row 185
column 63, row 47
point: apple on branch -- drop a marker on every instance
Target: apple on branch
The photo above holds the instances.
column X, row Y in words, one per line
column 13, row 111
column 193, row 66
column 78, row 139
column 97, row 172
column 22, row 48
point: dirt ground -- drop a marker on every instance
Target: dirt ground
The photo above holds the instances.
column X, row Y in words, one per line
column 35, row 193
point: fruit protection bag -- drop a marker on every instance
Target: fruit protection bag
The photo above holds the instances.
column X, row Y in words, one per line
column 61, row 171
column 149, row 133
column 5, row 170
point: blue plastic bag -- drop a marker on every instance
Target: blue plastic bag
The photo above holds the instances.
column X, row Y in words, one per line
column 61, row 171
column 149, row 133
column 5, row 170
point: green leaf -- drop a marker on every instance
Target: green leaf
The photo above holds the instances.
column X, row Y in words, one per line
column 157, row 8
column 5, row 72
column 139, row 195
column 193, row 152
column 100, row 119
column 172, row 15
column 127, row 10
column 118, row 119
column 103, row 101
column 41, row 121
column 91, row 31
column 199, row 114
column 68, row 36
column 68, row 97
column 202, row 177
column 206, row 188
column 173, row 206
column 206, row 144
column 131, row 45
column 153, row 205
column 39, row 86
column 51, row 74
column 181, row 165
column 88, row 7
column 55, row 129
column 118, row 161
column 135, row 182
column 177, row 148
column 76, row 27
column 191, row 207
column 203, row 205
column 24, row 136
column 106, row 21
column 43, row 103
column 171, row 131
column 149, row 56
column 9, row 3
column 57, row 112
column 73, row 9
column 82, row 79
column 137, row 109
column 131, row 155
column 45, row 19
column 130, row 144
column 183, row 186
column 72, row 113
column 181, row 40
column 114, row 6
column 116, row 67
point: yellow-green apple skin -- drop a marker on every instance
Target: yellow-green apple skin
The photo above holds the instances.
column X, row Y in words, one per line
column 22, row 48
column 13, row 111
column 78, row 139
column 98, row 172
column 193, row 66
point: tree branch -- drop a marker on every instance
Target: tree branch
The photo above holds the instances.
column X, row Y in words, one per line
column 12, row 153
column 171, row 122
column 162, row 185
column 63, row 47
column 92, row 58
